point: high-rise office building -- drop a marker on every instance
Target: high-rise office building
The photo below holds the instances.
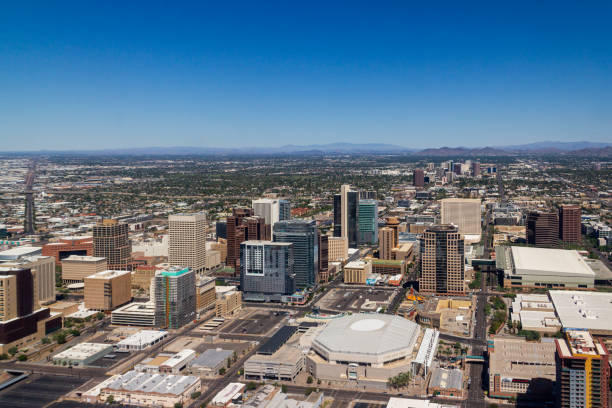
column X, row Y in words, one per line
column 110, row 240
column 475, row 169
column 266, row 270
column 235, row 235
column 418, row 178
column 256, row 228
column 22, row 320
column 583, row 371
column 457, row 168
column 304, row 236
column 349, row 215
column 174, row 294
column 284, row 210
column 569, row 224
column 323, row 258
column 386, row 242
column 543, row 229
column 268, row 208
column 44, row 267
column 187, row 241
column 368, row 222
column 337, row 215
column 367, row 195
column 221, row 229
column 107, row 290
column 462, row 212
column 442, row 261
column 394, row 224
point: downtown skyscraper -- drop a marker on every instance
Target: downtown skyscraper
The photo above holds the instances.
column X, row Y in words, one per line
column 304, row 236
column 442, row 261
column 187, row 243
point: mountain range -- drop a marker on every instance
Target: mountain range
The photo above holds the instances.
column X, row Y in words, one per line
column 582, row 148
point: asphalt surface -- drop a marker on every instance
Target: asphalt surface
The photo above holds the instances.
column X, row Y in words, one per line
column 38, row 391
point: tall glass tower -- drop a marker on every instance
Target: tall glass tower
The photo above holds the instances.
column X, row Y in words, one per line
column 305, row 239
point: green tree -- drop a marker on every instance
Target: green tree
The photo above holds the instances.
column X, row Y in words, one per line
column 222, row 371
column 195, row 395
column 251, row 386
column 13, row 350
column 309, row 380
column 22, row 357
column 110, row 399
column 4, row 356
column 45, row 340
column 178, row 405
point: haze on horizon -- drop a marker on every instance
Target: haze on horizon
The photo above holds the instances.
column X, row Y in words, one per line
column 112, row 75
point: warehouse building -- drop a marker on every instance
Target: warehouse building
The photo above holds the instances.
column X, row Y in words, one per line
column 210, row 362
column 277, row 359
column 543, row 268
column 590, row 311
column 141, row 340
column 166, row 363
column 159, row 390
column 82, row 354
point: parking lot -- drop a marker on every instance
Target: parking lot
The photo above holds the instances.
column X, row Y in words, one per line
column 38, row 391
column 256, row 322
column 356, row 300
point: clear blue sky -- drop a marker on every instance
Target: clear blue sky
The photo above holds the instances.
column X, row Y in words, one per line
column 113, row 74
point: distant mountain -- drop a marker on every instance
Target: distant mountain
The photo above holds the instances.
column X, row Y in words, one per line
column 463, row 151
column 556, row 146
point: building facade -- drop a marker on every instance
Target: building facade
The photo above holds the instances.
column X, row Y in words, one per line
column 187, row 245
column 284, row 211
column 442, row 261
column 542, row 229
column 76, row 267
column 462, row 212
column 266, row 270
column 110, row 241
column 235, row 235
column 68, row 246
column 337, row 249
column 368, row 222
column 305, row 239
column 386, row 242
column 175, row 297
column 569, row 224
column 418, row 178
column 107, row 290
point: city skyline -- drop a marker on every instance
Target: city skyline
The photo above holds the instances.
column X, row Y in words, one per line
column 96, row 76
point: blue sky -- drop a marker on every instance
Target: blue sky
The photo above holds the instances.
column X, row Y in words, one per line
column 114, row 74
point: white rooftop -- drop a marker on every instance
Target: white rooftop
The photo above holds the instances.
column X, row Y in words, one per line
column 82, row 351
column 108, row 274
column 143, row 337
column 548, row 261
column 83, row 258
column 395, row 402
column 19, row 251
column 152, row 383
column 582, row 309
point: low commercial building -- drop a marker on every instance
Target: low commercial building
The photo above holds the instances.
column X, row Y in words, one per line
column 530, row 267
column 141, row 340
column 17, row 252
column 231, row 392
column 517, row 366
column 142, row 276
column 134, row 314
column 584, row 310
column 76, row 268
column 357, row 272
column 283, row 365
column 107, row 290
column 166, row 363
column 210, row 362
column 63, row 308
column 67, row 246
column 228, row 302
column 535, row 312
column 405, row 252
column 142, row 389
column 446, row 382
column 270, row 396
column 395, row 402
column 452, row 316
column 388, row 266
column 82, row 354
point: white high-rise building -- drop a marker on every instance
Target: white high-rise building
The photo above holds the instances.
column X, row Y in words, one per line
column 267, row 208
column 187, row 246
column 462, row 212
column 344, row 189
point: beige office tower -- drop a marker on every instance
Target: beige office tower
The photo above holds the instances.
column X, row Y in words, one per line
column 44, row 267
column 107, row 290
column 464, row 213
column 110, row 240
column 187, row 241
column 337, row 249
column 76, row 267
column 386, row 240
column 442, row 261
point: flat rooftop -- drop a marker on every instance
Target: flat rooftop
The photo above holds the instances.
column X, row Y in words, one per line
column 83, row 258
column 82, row 351
column 548, row 261
column 519, row 358
column 583, row 309
column 579, row 342
column 152, row 383
column 108, row 274
column 143, row 337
